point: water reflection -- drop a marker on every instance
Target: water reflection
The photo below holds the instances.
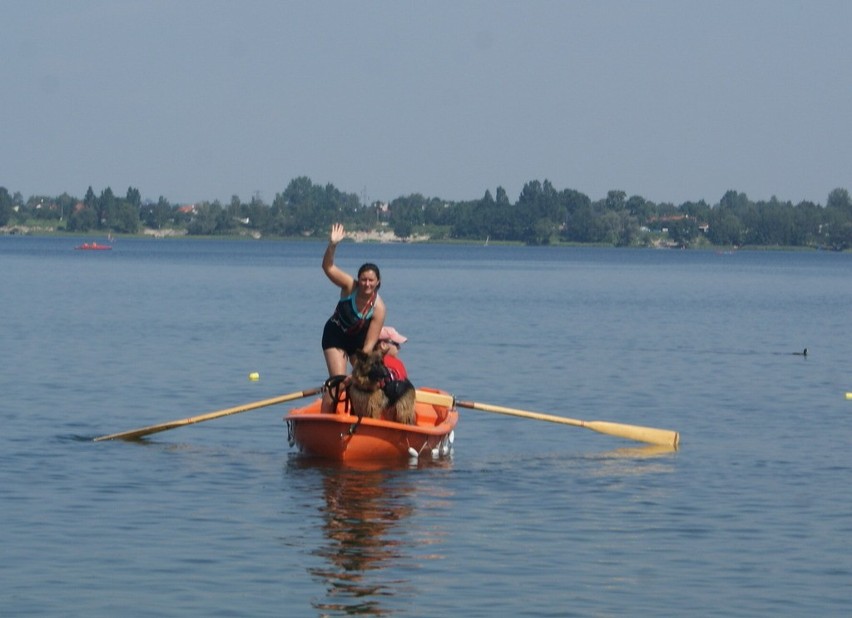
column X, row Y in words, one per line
column 646, row 451
column 367, row 545
column 635, row 460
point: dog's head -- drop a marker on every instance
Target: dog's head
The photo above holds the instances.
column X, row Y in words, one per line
column 368, row 370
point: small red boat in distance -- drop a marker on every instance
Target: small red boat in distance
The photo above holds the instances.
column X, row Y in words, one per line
column 93, row 246
column 340, row 436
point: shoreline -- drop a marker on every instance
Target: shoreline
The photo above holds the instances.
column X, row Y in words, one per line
column 373, row 236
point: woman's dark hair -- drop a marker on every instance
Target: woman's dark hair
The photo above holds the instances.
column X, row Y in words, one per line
column 370, row 266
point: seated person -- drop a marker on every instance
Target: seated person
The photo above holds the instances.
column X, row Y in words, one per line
column 397, row 381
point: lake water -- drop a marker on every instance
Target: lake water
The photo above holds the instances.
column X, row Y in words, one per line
column 752, row 516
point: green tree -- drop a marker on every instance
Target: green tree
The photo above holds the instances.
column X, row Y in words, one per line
column 257, row 213
column 408, row 210
column 579, row 216
column 539, row 213
column 484, row 218
column 471, row 219
column 437, row 212
column 66, row 204
column 226, row 223
column 838, row 230
column 610, row 227
column 779, row 220
column 615, row 200
column 683, row 231
column 91, row 200
column 581, row 225
column 729, row 221
column 5, row 206
column 700, row 211
column 124, row 217
column 82, row 220
column 838, row 220
column 300, row 206
column 725, row 228
column 305, row 208
column 203, row 222
column 733, row 201
column 839, row 199
column 156, row 216
column 278, row 221
column 105, row 208
column 134, row 198
column 497, row 216
column 235, row 208
column 403, row 229
column 41, row 207
column 807, row 222
column 640, row 208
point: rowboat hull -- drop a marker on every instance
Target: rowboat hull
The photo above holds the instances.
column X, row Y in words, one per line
column 343, row 437
column 93, row 247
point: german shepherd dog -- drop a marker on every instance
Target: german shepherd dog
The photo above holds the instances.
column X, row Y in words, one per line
column 371, row 392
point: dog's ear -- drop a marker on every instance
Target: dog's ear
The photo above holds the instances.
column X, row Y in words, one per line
column 378, row 372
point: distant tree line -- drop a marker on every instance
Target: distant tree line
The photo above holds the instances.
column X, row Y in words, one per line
column 541, row 215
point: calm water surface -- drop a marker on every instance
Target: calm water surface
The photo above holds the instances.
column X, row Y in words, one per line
column 751, row 517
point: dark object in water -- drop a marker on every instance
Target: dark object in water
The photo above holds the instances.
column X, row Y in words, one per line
column 802, row 353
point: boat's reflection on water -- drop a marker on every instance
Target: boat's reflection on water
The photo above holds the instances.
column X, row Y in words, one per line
column 367, row 540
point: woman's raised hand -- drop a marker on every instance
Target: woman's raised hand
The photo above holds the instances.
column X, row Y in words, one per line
column 337, row 233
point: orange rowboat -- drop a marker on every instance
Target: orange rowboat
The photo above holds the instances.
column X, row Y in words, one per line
column 343, row 437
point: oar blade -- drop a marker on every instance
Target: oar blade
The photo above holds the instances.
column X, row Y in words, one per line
column 135, row 434
column 650, row 435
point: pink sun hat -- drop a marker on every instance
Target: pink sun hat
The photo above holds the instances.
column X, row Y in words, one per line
column 390, row 333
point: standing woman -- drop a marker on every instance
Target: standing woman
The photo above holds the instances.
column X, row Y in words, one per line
column 358, row 318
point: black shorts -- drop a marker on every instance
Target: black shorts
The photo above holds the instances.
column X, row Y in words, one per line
column 334, row 337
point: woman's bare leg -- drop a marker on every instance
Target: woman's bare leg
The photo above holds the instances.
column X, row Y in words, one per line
column 335, row 360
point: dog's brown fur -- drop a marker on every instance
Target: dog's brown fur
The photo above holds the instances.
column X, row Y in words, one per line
column 366, row 394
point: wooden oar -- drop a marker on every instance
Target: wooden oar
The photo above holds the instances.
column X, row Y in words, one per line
column 663, row 437
column 144, row 431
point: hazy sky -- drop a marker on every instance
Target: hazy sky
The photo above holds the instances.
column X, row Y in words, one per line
column 201, row 100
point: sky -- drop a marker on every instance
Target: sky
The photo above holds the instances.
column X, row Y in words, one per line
column 198, row 100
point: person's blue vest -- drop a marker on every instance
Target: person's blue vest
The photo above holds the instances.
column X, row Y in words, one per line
column 347, row 316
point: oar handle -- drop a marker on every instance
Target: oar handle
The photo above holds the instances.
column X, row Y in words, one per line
column 661, row 437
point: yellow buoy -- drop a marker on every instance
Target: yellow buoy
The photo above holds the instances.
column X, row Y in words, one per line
column 254, row 376
column 848, row 395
